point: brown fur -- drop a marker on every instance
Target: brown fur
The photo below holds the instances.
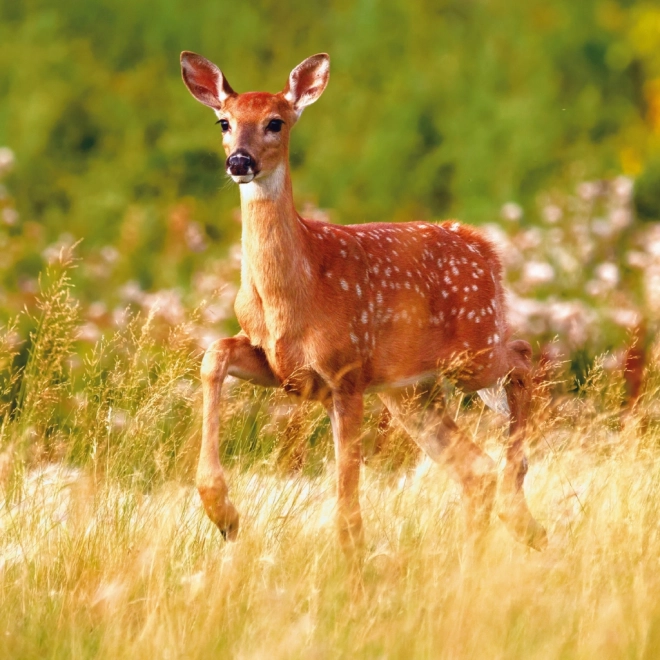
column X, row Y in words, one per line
column 330, row 312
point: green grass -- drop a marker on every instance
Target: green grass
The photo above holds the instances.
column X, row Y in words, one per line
column 105, row 550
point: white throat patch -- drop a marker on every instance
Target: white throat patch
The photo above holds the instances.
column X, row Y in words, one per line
column 263, row 188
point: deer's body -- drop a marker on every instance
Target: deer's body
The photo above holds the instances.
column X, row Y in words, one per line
column 330, row 312
column 363, row 294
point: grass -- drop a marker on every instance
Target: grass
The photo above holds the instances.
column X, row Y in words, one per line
column 105, row 551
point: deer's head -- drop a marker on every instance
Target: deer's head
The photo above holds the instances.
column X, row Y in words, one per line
column 255, row 125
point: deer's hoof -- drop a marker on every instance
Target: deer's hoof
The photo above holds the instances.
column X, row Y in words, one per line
column 537, row 537
column 526, row 530
column 227, row 523
column 230, row 530
column 221, row 511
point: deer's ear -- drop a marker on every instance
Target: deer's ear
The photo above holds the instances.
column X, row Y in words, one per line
column 307, row 81
column 204, row 80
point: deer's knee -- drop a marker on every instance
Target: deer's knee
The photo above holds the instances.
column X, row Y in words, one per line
column 520, row 365
column 522, row 351
column 216, row 361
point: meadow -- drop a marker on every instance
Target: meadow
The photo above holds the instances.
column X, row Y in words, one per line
column 119, row 264
column 105, row 550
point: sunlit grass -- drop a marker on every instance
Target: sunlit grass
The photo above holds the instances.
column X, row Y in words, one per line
column 96, row 568
column 105, row 550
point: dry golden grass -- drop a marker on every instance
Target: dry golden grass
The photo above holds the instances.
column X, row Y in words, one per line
column 97, row 569
column 105, row 551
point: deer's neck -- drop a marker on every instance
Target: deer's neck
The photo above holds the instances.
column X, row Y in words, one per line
column 274, row 245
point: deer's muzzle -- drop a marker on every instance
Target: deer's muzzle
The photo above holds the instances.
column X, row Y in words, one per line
column 240, row 163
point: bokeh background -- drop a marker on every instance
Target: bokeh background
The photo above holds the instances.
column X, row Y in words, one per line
column 542, row 119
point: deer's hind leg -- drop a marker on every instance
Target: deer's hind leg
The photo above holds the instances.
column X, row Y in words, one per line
column 237, row 357
column 420, row 410
column 513, row 509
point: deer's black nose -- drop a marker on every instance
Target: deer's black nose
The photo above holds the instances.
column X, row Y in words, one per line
column 240, row 163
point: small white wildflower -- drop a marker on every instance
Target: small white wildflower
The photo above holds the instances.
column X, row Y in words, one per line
column 608, row 273
column 636, row 259
column 552, row 213
column 512, row 212
column 588, row 191
column 602, row 228
column 110, row 254
column 89, row 332
column 626, row 318
column 195, row 239
column 623, row 188
column 10, row 216
column 596, row 288
column 7, row 160
column 538, row 272
column 620, row 218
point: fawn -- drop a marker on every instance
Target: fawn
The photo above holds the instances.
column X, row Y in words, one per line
column 330, row 312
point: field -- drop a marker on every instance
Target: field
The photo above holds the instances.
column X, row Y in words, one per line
column 120, row 258
column 105, row 550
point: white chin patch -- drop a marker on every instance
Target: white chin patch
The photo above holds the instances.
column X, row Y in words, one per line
column 245, row 178
column 265, row 185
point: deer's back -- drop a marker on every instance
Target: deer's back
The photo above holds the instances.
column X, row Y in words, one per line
column 407, row 299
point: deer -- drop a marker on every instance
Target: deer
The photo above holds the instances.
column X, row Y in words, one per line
column 331, row 312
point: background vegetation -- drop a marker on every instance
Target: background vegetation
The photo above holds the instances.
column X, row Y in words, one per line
column 434, row 109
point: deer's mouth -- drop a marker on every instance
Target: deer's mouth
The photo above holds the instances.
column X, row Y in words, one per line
column 242, row 178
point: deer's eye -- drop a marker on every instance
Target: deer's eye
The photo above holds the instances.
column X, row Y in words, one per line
column 224, row 124
column 274, row 125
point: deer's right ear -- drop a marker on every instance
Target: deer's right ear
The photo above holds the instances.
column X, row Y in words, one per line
column 204, row 80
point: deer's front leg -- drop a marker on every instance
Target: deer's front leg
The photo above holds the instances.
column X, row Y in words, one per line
column 235, row 356
column 346, row 412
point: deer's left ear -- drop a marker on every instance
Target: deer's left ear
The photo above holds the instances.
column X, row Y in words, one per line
column 307, row 81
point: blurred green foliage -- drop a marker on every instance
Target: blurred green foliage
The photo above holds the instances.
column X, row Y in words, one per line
column 434, row 109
